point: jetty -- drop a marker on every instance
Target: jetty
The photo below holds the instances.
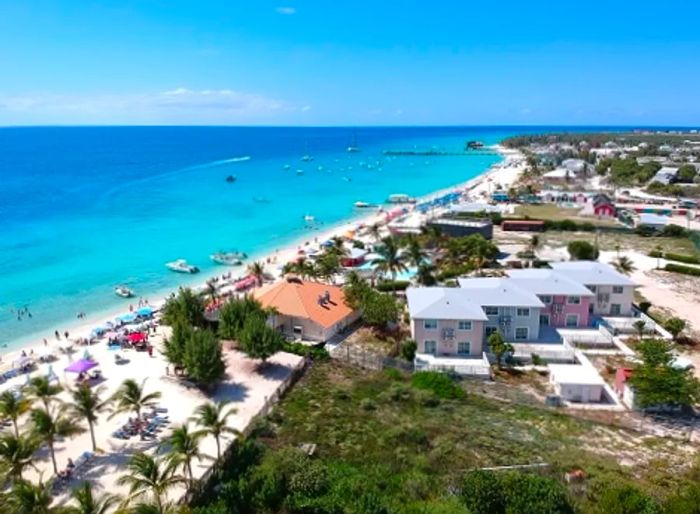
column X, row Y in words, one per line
column 439, row 153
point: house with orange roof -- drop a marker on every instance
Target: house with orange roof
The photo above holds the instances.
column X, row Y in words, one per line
column 307, row 310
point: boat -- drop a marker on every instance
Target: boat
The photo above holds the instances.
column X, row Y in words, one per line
column 287, row 166
column 473, row 145
column 230, row 179
column 401, row 198
column 300, row 172
column 309, row 219
column 181, row 266
column 353, row 148
column 307, row 158
column 347, row 179
column 362, row 205
column 123, row 291
column 228, row 258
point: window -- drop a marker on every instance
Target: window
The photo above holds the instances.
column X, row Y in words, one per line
column 523, row 312
column 573, row 300
column 491, row 311
column 546, row 299
column 491, row 330
column 464, row 325
column 572, row 320
column 430, row 347
column 464, row 348
column 521, row 333
column 617, row 289
column 615, row 309
column 544, row 320
column 430, row 324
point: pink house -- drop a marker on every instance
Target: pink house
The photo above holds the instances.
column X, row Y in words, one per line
column 566, row 302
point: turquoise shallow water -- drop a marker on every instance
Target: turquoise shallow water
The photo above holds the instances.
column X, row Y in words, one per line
column 84, row 209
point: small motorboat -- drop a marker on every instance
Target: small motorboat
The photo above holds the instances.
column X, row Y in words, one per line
column 309, row 219
column 287, row 166
column 228, row 258
column 230, row 179
column 347, row 179
column 401, row 198
column 123, row 291
column 362, row 205
column 181, row 266
column 307, row 158
column 300, row 172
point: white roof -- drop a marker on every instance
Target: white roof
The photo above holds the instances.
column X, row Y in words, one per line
column 575, row 374
column 356, row 253
column 547, row 282
column 652, row 219
column 591, row 273
column 442, row 303
column 667, row 170
column 474, row 207
column 498, row 292
column 560, row 173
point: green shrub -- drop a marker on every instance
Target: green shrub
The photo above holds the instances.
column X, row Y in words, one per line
column 644, row 307
column 393, row 374
column 317, row 353
column 392, row 285
column 678, row 257
column 408, row 350
column 685, row 270
column 367, row 404
column 442, row 385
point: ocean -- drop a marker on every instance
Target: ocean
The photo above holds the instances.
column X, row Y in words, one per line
column 84, row 209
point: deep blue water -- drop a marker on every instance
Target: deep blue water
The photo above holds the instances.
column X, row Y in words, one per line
column 84, row 209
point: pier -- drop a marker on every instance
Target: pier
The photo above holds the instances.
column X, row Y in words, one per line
column 439, row 153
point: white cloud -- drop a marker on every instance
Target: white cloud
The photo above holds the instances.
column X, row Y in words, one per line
column 306, row 108
column 286, row 10
column 180, row 105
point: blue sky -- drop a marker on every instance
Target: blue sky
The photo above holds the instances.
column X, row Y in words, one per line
column 380, row 62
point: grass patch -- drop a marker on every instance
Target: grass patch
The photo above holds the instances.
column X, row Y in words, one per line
column 440, row 384
column 553, row 212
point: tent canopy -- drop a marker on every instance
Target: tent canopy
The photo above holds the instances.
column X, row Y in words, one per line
column 81, row 366
column 136, row 337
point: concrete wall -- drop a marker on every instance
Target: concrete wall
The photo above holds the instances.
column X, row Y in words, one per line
column 584, row 393
column 448, row 345
column 310, row 330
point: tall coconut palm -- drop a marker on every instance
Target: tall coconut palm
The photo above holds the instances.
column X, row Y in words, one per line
column 183, row 448
column 88, row 503
column 130, row 397
column 27, row 498
column 257, row 270
column 51, row 424
column 211, row 291
column 534, row 243
column 389, row 258
column 17, row 454
column 375, row 231
column 415, row 255
column 41, row 388
column 338, row 247
column 13, row 407
column 87, row 404
column 149, row 478
column 624, row 265
column 212, row 417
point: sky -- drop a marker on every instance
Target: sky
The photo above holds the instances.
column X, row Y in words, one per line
column 378, row 62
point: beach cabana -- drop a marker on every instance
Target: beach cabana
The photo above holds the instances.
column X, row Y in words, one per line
column 136, row 337
column 81, row 366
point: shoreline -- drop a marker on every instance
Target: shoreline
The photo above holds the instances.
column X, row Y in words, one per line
column 81, row 328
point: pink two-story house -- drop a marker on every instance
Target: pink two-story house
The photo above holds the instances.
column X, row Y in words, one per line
column 567, row 303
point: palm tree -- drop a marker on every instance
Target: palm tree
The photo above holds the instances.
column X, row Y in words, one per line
column 87, row 404
column 431, row 235
column 40, row 388
column 27, row 498
column 338, row 247
column 212, row 418
column 13, row 407
column 49, row 425
column 659, row 253
column 389, row 258
column 17, row 453
column 624, row 265
column 88, row 503
column 534, row 243
column 148, row 476
column 184, row 448
column 415, row 255
column 640, row 326
column 257, row 269
column 375, row 231
column 425, row 275
column 211, row 290
column 130, row 397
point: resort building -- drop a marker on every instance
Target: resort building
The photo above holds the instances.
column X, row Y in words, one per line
column 601, row 206
column 509, row 308
column 307, row 310
column 566, row 302
column 614, row 292
column 445, row 322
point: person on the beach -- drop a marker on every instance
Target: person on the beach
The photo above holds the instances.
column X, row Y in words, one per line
column 58, row 336
column 46, row 343
column 66, row 334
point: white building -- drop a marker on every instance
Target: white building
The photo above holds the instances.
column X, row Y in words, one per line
column 576, row 383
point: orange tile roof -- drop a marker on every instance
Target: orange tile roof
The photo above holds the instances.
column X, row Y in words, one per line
column 300, row 299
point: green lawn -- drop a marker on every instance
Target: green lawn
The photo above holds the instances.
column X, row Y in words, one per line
column 406, row 446
column 608, row 241
column 555, row 213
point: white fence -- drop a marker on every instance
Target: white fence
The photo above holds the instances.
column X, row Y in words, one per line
column 461, row 366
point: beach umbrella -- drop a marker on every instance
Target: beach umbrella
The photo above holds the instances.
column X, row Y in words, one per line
column 129, row 317
column 81, row 366
column 136, row 337
column 145, row 311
